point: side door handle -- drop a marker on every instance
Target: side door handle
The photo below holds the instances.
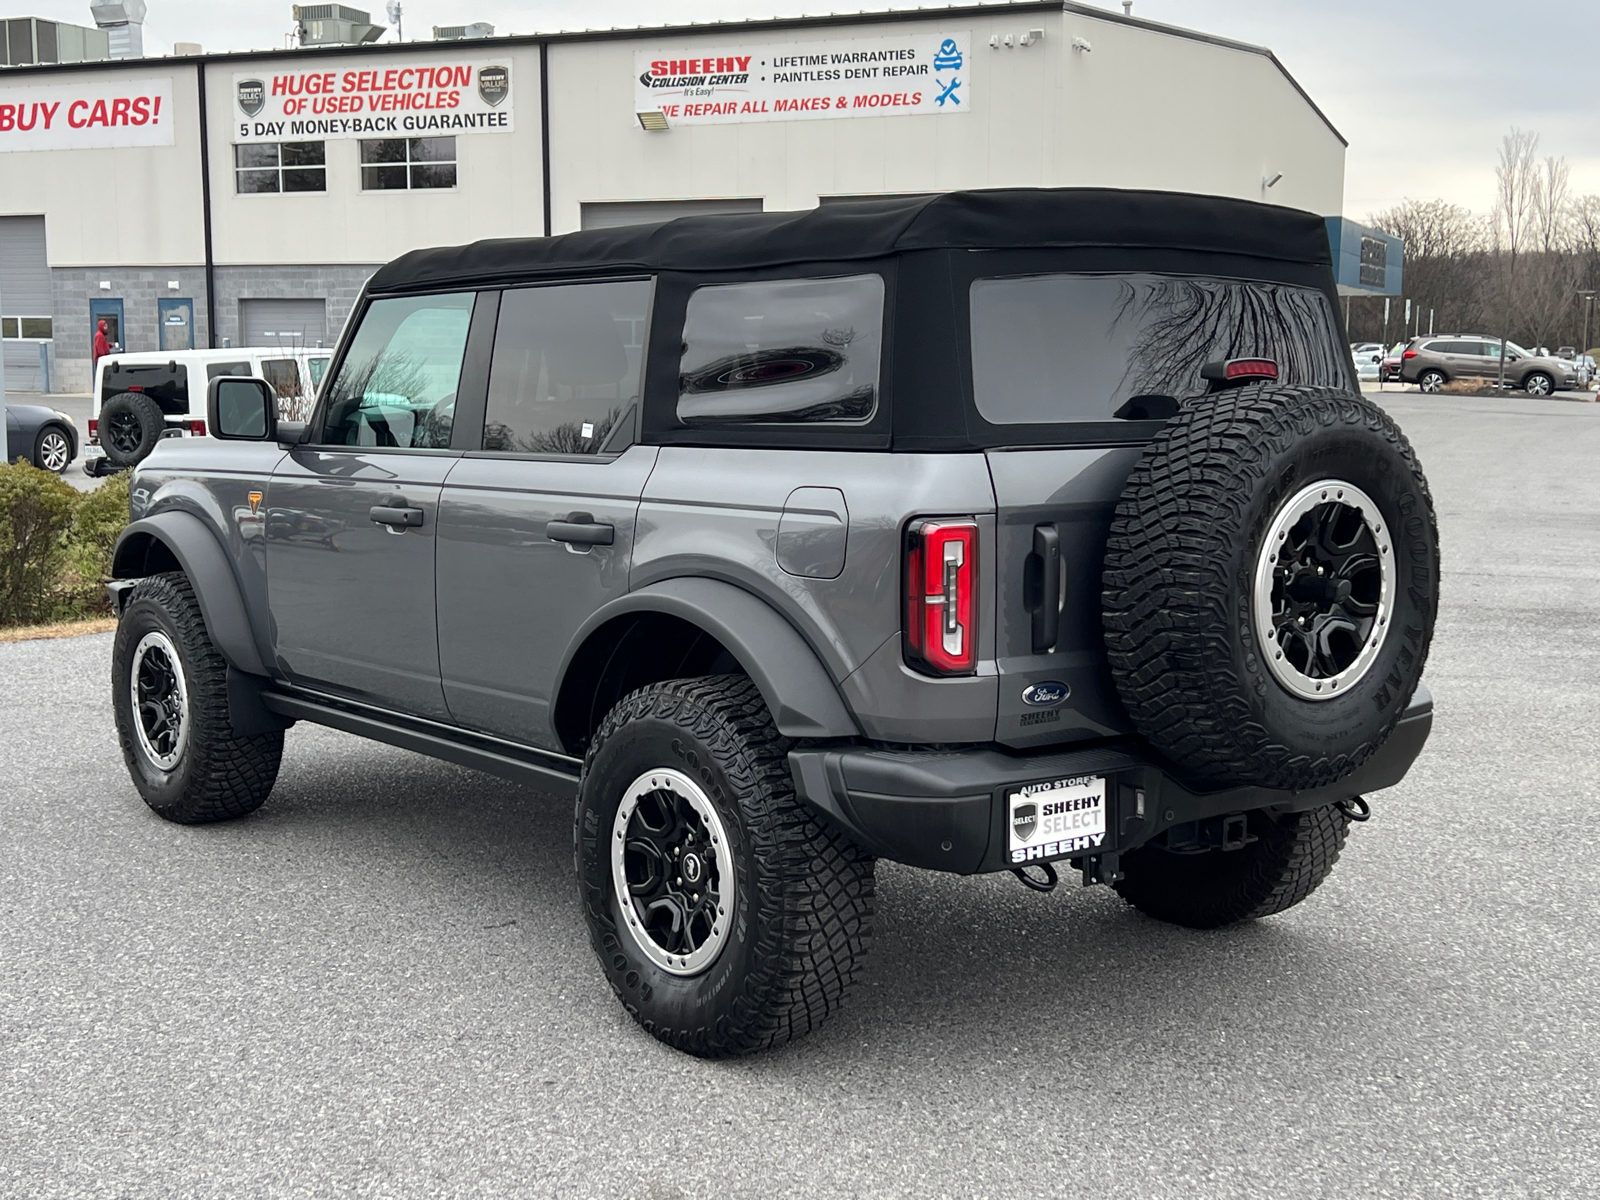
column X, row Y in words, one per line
column 396, row 517
column 1046, row 592
column 581, row 529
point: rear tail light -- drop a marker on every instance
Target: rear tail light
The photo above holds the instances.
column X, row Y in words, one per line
column 941, row 626
column 94, row 431
column 1409, row 354
column 197, row 428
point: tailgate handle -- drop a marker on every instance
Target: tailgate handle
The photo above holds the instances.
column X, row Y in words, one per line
column 1042, row 588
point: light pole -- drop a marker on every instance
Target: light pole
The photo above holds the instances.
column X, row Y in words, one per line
column 1588, row 312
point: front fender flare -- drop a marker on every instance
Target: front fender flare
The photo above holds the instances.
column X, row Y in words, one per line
column 803, row 699
column 210, row 573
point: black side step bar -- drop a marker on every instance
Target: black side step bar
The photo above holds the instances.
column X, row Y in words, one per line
column 542, row 769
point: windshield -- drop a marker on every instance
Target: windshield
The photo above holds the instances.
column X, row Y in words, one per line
column 1068, row 347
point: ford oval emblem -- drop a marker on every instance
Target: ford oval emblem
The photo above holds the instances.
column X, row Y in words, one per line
column 1043, row 695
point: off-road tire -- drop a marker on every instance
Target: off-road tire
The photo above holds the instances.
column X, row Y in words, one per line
column 804, row 891
column 1291, row 857
column 219, row 775
column 152, row 424
column 1179, row 577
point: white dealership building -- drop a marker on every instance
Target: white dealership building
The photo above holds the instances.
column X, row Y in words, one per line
column 245, row 198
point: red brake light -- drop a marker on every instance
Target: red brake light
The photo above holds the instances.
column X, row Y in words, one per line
column 197, row 428
column 1409, row 354
column 94, row 430
column 941, row 630
column 135, row 387
column 1250, row 368
column 1238, row 370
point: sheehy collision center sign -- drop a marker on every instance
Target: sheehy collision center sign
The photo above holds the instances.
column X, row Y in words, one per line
column 854, row 77
column 91, row 115
column 373, row 98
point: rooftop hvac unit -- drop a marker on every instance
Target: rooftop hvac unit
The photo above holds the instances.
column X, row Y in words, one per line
column 28, row 40
column 461, row 33
column 124, row 26
column 334, row 25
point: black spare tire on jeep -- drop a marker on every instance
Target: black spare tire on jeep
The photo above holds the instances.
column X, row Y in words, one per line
column 1271, row 581
column 130, row 426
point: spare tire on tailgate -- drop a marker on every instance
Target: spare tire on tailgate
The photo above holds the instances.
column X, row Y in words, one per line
column 131, row 424
column 1270, row 586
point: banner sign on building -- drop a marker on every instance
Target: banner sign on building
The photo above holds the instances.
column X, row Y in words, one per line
column 373, row 98
column 92, row 114
column 886, row 75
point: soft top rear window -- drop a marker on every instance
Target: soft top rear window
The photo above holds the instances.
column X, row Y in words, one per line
column 1056, row 348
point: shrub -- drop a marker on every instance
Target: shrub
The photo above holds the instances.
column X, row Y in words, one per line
column 55, row 544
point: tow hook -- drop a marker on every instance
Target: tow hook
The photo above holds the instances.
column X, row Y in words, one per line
column 1355, row 809
column 1047, row 884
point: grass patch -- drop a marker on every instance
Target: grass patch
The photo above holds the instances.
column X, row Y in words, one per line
column 61, row 629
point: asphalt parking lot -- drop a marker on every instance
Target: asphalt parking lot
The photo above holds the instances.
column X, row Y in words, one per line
column 379, row 985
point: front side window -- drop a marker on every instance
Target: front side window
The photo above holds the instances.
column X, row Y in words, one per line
column 218, row 370
column 568, row 361
column 397, row 384
column 789, row 351
column 1066, row 347
column 284, row 376
column 280, row 167
column 401, row 164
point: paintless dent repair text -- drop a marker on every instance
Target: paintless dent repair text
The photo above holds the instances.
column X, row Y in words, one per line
column 916, row 73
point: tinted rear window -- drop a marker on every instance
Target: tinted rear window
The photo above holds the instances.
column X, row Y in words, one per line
column 1078, row 347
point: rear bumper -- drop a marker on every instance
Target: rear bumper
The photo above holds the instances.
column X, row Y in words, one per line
column 946, row 810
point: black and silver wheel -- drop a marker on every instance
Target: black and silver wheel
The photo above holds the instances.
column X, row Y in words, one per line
column 672, row 872
column 1538, row 383
column 1283, row 859
column 1431, row 382
column 169, row 694
column 1324, row 589
column 727, row 915
column 130, row 426
column 52, row 450
column 1270, row 586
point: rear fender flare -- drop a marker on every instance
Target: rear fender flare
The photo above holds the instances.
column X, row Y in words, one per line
column 205, row 562
column 803, row 699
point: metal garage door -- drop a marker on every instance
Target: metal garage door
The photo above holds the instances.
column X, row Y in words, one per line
column 284, row 322
column 24, row 292
column 611, row 213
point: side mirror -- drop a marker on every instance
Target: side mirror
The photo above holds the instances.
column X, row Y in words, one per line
column 241, row 409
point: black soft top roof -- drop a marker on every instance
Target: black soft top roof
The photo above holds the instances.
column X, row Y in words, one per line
column 1001, row 218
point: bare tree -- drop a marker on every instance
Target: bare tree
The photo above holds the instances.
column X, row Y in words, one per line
column 1516, row 178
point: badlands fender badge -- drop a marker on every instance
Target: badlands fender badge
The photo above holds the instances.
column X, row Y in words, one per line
column 1046, row 694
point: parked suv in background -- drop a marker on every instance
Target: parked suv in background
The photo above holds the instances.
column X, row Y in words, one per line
column 1431, row 362
column 991, row 531
column 143, row 397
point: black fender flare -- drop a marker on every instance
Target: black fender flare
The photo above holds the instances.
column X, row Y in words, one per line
column 205, row 562
column 802, row 697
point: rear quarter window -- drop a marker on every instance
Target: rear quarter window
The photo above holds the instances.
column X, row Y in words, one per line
column 1067, row 347
column 782, row 352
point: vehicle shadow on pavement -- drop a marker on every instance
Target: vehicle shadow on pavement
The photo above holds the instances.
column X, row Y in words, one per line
column 976, row 966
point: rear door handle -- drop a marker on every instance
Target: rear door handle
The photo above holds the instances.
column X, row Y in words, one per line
column 1047, row 616
column 581, row 529
column 396, row 518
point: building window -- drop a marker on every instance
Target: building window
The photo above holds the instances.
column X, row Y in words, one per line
column 401, row 164
column 29, row 329
column 281, row 167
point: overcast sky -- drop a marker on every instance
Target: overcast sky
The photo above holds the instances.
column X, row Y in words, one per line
column 1422, row 89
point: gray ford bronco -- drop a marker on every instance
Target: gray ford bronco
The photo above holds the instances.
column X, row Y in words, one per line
column 1016, row 530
